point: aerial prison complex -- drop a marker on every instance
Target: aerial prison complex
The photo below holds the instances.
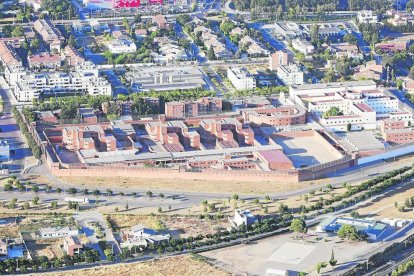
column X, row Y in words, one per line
column 313, row 130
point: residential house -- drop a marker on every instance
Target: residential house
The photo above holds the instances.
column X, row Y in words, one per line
column 138, row 235
column 161, row 21
column 44, row 60
column 253, row 48
column 371, row 70
column 58, row 232
column 72, row 245
column 73, row 56
column 303, row 46
column 367, row 17
column 49, row 33
column 345, row 50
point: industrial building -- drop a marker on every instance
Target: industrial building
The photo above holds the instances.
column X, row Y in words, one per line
column 374, row 230
column 165, row 78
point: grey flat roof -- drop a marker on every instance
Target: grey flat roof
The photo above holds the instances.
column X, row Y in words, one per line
column 123, row 156
column 333, row 85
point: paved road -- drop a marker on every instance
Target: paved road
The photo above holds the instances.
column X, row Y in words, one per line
column 187, row 199
column 10, row 132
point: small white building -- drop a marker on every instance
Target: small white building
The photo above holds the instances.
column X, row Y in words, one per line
column 138, row 235
column 290, row 74
column 243, row 217
column 121, row 46
column 58, row 232
column 367, row 17
column 241, row 78
column 303, row 46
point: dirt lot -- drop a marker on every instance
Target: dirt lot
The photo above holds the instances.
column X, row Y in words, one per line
column 9, row 231
column 183, row 265
column 186, row 185
column 186, row 226
column 46, row 247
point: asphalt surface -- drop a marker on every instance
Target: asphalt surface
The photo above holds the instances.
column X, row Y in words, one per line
column 10, row 132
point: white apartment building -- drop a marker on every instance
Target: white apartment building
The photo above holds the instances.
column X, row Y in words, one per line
column 360, row 110
column 241, row 78
column 367, row 17
column 322, row 88
column 290, row 74
column 84, row 80
column 383, row 104
column 12, row 63
column 121, row 46
column 361, row 117
column 303, row 46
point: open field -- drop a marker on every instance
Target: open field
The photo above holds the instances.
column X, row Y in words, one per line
column 175, row 266
column 207, row 186
column 384, row 207
column 184, row 226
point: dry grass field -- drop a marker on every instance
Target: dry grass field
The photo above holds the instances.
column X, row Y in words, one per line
column 46, row 247
column 187, row 226
column 207, row 186
column 384, row 207
column 174, row 266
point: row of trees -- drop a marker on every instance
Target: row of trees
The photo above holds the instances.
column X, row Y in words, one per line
column 36, row 151
column 403, row 269
column 296, row 7
column 365, row 190
column 24, row 265
column 383, row 257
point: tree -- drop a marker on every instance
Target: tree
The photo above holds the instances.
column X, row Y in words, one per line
column 53, row 205
column 34, row 45
column 298, row 226
column 332, row 112
column 18, row 31
column 36, row 152
column 355, row 214
column 35, row 200
column 149, row 193
column 332, row 261
column 210, row 54
column 8, row 187
column 351, row 39
column 12, row 203
column 160, row 209
column 26, row 205
column 314, row 34
column 348, row 232
column 321, row 265
column 411, row 72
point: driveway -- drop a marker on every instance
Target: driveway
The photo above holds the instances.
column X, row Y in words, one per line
column 85, row 219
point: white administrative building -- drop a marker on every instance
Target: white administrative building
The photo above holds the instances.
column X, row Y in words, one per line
column 241, row 78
